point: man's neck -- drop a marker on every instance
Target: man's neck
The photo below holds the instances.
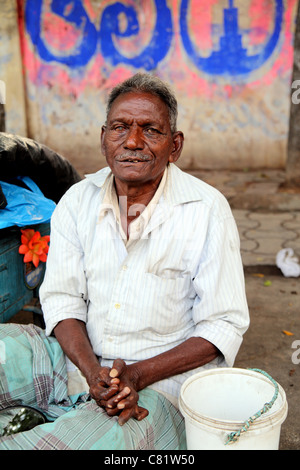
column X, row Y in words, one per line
column 133, row 200
column 129, row 195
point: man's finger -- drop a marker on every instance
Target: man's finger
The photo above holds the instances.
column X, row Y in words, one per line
column 118, row 398
column 125, row 415
column 105, row 393
column 112, row 411
column 141, row 413
column 138, row 412
column 117, row 368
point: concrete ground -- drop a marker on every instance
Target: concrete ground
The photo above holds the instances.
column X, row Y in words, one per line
column 272, row 342
column 268, row 219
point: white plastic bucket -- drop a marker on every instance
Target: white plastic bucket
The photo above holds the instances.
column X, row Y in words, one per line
column 217, row 402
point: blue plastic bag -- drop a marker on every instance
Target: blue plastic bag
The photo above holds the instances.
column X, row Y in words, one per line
column 25, row 206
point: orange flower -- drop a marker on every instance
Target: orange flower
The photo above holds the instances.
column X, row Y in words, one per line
column 34, row 247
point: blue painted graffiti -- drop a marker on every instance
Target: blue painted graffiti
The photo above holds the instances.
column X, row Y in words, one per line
column 231, row 58
column 76, row 15
column 158, row 46
column 87, row 45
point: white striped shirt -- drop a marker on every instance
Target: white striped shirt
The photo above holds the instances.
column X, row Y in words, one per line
column 181, row 276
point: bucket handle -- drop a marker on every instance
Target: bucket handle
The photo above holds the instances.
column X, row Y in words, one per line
column 233, row 436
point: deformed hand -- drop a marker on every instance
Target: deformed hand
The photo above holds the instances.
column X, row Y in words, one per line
column 125, row 402
column 103, row 387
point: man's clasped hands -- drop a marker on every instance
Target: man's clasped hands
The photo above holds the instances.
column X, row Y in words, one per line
column 115, row 391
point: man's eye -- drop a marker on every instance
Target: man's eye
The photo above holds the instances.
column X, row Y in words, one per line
column 152, row 131
column 119, row 128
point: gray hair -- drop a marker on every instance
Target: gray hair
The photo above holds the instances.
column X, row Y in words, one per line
column 143, row 82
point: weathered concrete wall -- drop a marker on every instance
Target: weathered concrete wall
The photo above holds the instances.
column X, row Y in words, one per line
column 229, row 63
column 11, row 72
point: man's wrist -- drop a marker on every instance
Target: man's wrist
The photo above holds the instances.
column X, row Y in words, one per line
column 92, row 373
column 135, row 376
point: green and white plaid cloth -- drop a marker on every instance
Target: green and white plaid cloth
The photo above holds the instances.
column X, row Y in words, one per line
column 33, row 372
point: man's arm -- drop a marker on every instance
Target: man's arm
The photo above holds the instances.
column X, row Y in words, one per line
column 192, row 353
column 73, row 338
column 116, row 389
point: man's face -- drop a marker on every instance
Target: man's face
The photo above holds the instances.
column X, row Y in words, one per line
column 137, row 140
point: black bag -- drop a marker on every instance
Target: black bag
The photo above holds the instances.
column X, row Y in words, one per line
column 20, row 156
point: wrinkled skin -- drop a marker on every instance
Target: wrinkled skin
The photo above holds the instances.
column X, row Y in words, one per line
column 115, row 392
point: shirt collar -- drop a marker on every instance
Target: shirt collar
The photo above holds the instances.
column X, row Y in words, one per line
column 110, row 203
column 176, row 187
column 179, row 187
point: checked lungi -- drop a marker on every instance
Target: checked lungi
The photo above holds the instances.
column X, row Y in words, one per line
column 33, row 372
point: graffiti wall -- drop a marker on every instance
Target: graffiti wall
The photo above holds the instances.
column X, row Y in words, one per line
column 229, row 62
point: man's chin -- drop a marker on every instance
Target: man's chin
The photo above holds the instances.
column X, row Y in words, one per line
column 129, row 171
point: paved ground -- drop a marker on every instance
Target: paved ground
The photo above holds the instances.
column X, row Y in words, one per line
column 268, row 220
column 274, row 304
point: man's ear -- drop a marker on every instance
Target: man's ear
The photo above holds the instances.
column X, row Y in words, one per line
column 178, row 139
column 103, row 130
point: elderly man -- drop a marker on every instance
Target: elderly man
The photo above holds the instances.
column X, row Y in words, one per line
column 144, row 286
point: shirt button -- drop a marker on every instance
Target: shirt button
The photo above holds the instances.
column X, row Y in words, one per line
column 124, row 267
column 110, row 339
column 117, row 305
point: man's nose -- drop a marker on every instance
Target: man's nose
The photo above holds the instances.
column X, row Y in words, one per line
column 134, row 138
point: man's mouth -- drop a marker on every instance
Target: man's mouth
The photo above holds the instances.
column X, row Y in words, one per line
column 133, row 158
column 129, row 160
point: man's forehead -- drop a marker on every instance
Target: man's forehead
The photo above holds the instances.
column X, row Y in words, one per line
column 147, row 102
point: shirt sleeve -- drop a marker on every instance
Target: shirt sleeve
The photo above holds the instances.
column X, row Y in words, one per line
column 63, row 293
column 220, row 311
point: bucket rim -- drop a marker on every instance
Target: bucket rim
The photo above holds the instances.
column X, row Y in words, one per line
column 275, row 417
column 216, row 426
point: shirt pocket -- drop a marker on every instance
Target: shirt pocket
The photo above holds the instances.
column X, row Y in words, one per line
column 166, row 306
